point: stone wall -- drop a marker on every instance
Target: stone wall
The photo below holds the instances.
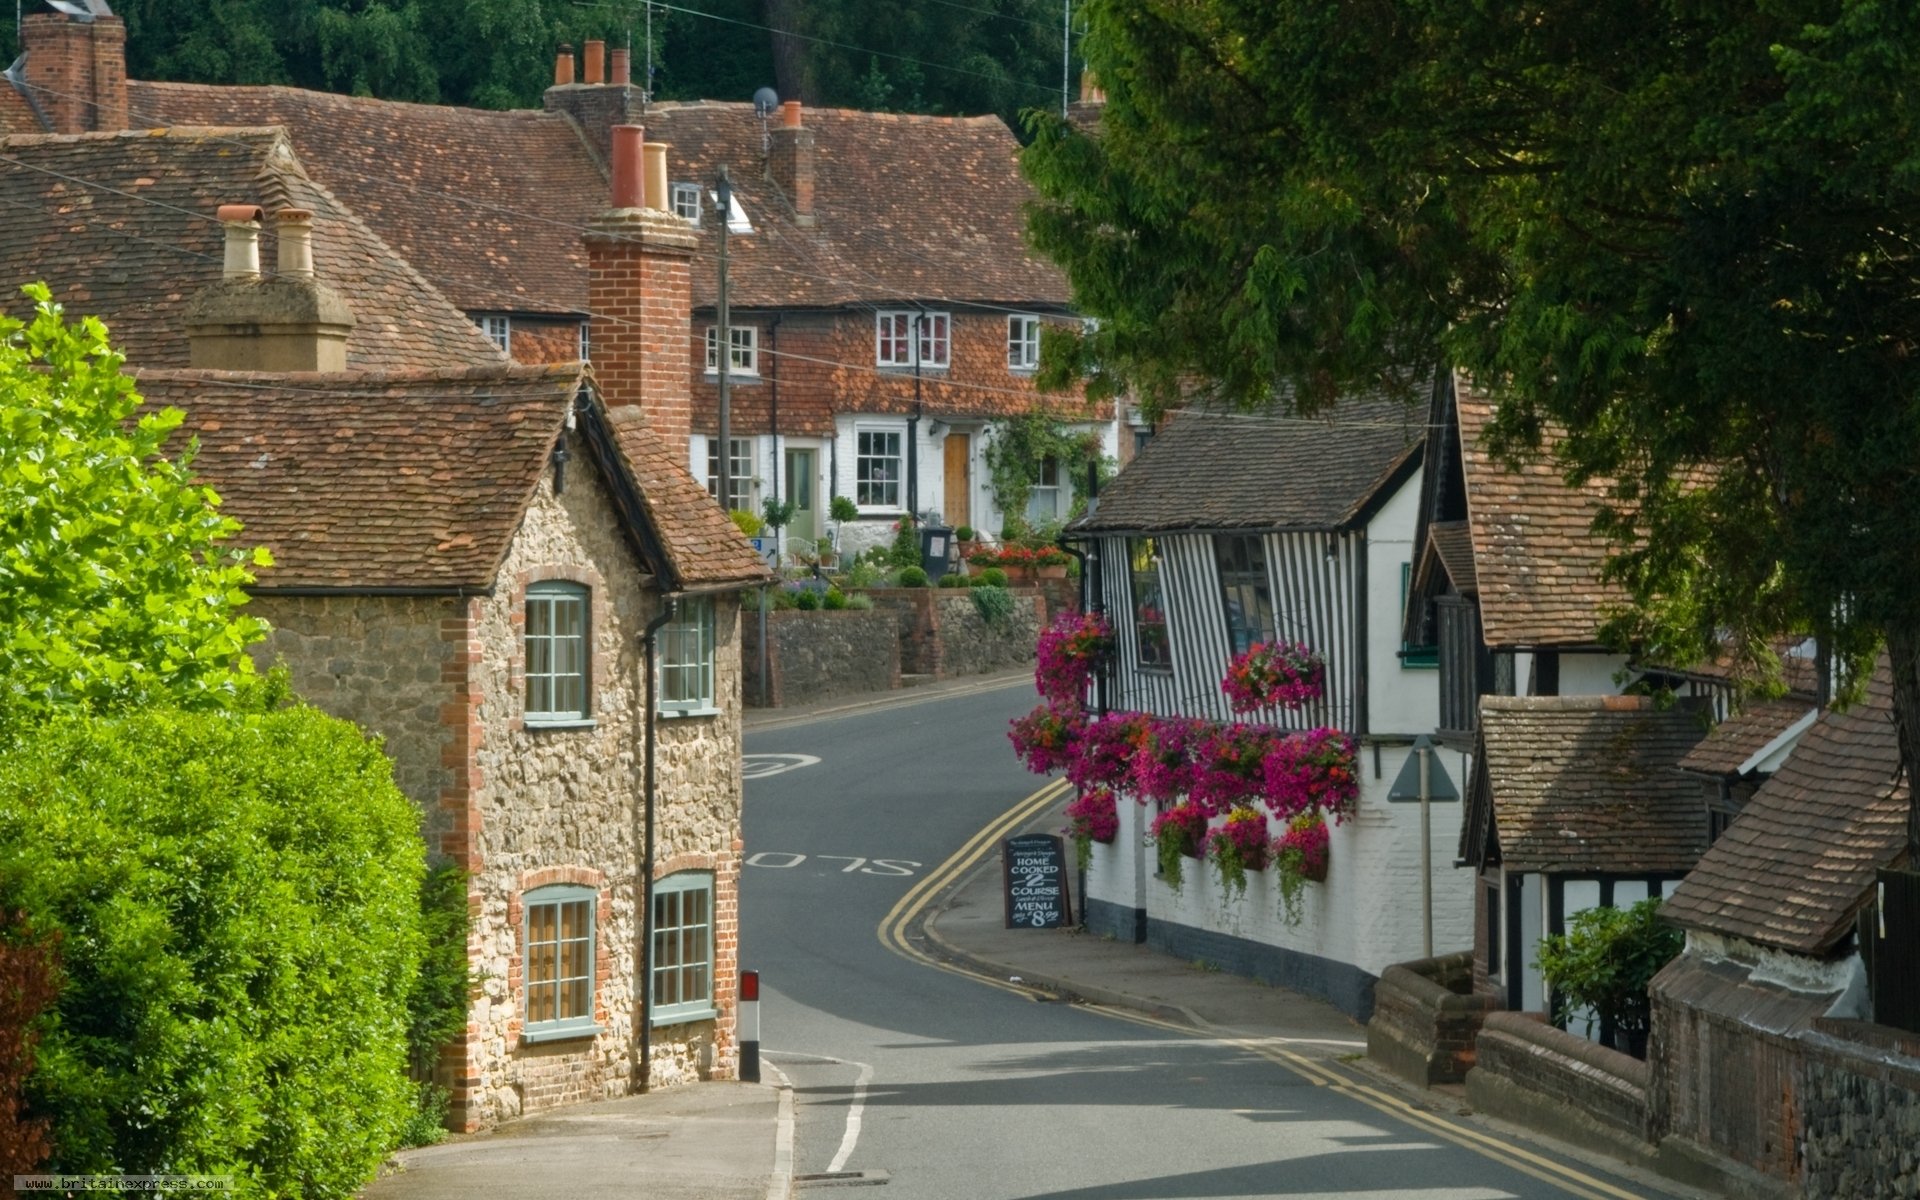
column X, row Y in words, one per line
column 1860, row 1099
column 1426, row 1017
column 943, row 635
column 819, row 655
column 1532, row 1074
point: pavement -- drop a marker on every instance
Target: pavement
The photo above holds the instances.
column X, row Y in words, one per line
column 728, row 1140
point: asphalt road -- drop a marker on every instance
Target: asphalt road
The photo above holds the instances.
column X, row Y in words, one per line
column 943, row 1086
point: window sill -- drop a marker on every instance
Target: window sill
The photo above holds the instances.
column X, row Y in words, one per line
column 927, row 370
column 708, row 1013
column 560, row 725
column 676, row 713
column 1023, row 372
column 732, row 376
column 563, row 1033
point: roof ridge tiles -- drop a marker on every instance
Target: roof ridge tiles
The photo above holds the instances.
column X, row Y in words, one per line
column 1523, row 704
column 345, row 99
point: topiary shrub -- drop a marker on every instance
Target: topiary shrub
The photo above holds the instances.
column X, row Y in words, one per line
column 912, row 577
column 964, row 533
column 992, row 577
column 834, row 601
column 237, row 902
column 842, row 509
column 806, row 600
column 905, row 551
column 953, row 581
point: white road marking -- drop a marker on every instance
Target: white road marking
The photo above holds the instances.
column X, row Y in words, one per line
column 770, row 859
column 854, row 1112
column 761, row 766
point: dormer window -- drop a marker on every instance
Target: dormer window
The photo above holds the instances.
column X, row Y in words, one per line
column 686, row 201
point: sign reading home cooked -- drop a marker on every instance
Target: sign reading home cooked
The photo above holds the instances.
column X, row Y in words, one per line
column 1035, row 866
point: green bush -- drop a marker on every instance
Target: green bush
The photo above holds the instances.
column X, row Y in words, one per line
column 1604, row 962
column 437, row 1003
column 749, row 523
column 953, row 581
column 964, row 533
column 993, row 577
column 912, row 577
column 905, row 551
column 842, row 509
column 237, row 901
column 834, row 600
column 863, row 574
column 806, row 600
column 994, row 604
column 860, row 602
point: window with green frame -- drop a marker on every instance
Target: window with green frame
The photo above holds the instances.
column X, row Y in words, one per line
column 1423, row 658
column 556, row 649
column 680, row 948
column 558, row 937
column 686, row 660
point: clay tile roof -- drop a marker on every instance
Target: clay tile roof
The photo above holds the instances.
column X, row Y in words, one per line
column 1453, row 542
column 362, row 481
column 1537, row 561
column 122, row 226
column 487, row 205
column 907, row 207
column 706, row 548
column 1207, row 470
column 1586, row 784
column 1736, row 739
column 1798, row 863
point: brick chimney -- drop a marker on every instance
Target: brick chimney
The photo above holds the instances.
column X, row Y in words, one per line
column 640, row 292
column 289, row 322
column 597, row 103
column 790, row 161
column 76, row 71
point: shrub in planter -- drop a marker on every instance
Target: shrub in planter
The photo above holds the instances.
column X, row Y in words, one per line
column 992, row 577
column 1604, row 962
column 963, row 534
column 913, row 577
column 834, row 601
column 1238, row 845
column 237, row 899
column 1178, row 833
column 1093, row 816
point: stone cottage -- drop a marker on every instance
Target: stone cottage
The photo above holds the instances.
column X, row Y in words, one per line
column 515, row 585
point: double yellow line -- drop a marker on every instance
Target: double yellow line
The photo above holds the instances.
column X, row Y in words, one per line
column 893, row 928
column 893, row 935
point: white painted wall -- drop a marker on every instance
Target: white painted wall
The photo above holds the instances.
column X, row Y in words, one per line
column 1118, row 873
column 1401, row 700
column 1590, row 674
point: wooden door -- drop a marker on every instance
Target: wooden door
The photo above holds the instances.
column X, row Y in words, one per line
column 806, row 519
column 957, row 510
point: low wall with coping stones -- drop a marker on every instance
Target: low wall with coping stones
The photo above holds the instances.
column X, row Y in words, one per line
column 943, row 635
column 819, row 655
column 1860, row 1111
column 1427, row 1018
column 1528, row 1072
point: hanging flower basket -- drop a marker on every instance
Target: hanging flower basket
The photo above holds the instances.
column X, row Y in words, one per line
column 1312, row 770
column 1228, row 766
column 1107, row 750
column 1274, row 675
column 1163, row 769
column 1179, row 833
column 1237, row 846
column 1067, row 653
column 1302, row 853
column 1093, row 816
column 1045, row 740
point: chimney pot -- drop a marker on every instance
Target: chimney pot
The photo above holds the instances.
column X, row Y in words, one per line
column 242, row 222
column 596, row 61
column 295, row 229
column 628, row 190
column 656, row 156
column 563, row 65
column 790, row 114
column 622, row 67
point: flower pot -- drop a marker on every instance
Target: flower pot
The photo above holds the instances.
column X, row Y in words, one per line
column 1018, row 574
column 1059, row 572
column 1315, row 872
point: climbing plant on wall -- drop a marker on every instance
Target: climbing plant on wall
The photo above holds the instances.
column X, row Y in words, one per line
column 1020, row 446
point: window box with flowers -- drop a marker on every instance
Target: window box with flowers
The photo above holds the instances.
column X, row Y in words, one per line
column 1238, row 845
column 1179, row 833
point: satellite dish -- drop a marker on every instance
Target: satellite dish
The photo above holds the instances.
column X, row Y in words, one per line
column 765, row 101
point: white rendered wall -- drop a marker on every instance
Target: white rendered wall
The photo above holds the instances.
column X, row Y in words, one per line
column 1399, row 700
column 1590, row 674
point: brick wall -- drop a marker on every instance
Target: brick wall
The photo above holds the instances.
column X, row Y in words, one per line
column 1528, row 1072
column 78, row 71
column 1426, row 1017
column 819, row 655
column 942, row 633
column 1860, row 1097
column 639, row 288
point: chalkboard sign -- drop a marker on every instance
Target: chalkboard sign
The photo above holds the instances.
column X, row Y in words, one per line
column 1035, row 867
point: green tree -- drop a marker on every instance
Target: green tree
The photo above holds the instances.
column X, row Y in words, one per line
column 116, row 588
column 1677, row 247
column 1605, row 961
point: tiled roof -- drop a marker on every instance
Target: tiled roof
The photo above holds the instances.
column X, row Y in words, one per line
column 1587, row 784
column 360, row 481
column 906, row 207
column 1797, row 864
column 491, row 205
column 706, row 548
column 1207, row 470
column 1736, row 739
column 1537, row 560
column 122, row 226
column 487, row 205
column 1453, row 542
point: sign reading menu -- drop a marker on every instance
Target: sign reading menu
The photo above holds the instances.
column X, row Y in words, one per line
column 1035, row 866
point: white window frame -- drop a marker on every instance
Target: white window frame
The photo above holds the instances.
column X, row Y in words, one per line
column 894, row 343
column 1043, row 498
column 686, row 660
column 740, row 465
column 680, row 952
column 686, row 201
column 543, row 645
column 499, row 331
column 1023, row 343
column 893, row 482
column 562, row 1024
column 586, row 343
column 746, row 350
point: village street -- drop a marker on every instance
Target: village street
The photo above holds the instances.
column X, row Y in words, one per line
column 939, row 1085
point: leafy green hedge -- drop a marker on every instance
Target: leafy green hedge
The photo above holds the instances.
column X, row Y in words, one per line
column 237, row 898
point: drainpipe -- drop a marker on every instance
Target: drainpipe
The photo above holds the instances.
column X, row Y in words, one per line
column 647, row 644
column 773, row 400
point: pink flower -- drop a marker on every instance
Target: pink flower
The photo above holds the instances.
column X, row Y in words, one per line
column 1274, row 674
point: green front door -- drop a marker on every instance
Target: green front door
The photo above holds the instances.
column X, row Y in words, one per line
column 800, row 490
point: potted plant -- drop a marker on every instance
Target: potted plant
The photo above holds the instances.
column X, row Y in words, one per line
column 966, row 541
column 1238, row 845
column 1178, row 833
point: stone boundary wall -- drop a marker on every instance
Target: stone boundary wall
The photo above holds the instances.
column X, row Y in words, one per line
column 942, row 634
column 1426, row 1018
column 1860, row 1107
column 1532, row 1074
column 819, row 655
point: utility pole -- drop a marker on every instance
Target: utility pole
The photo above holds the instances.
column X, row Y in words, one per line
column 1066, row 55
column 723, row 345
